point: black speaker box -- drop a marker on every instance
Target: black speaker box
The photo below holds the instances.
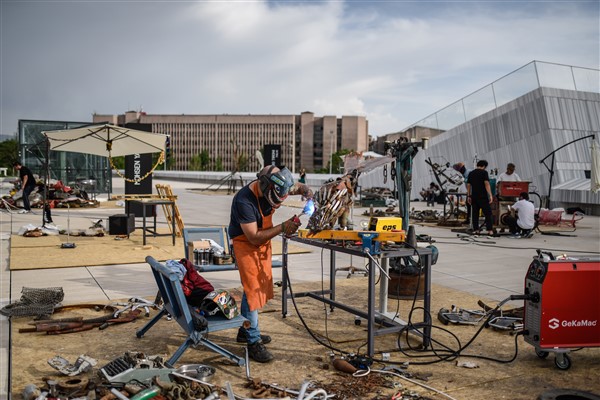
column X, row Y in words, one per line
column 121, row 224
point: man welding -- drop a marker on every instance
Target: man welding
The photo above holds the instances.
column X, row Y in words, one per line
column 251, row 228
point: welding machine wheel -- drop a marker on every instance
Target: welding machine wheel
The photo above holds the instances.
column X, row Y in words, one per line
column 541, row 353
column 562, row 361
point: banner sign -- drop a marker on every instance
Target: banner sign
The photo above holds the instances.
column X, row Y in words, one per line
column 273, row 154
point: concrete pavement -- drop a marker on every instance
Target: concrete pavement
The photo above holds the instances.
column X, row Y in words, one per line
column 490, row 270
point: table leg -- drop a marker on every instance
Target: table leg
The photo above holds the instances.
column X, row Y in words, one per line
column 173, row 221
column 426, row 260
column 371, row 310
column 154, row 215
column 284, row 277
column 332, row 276
column 144, row 223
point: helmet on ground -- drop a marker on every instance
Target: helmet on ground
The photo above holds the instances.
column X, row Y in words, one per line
column 275, row 184
column 219, row 300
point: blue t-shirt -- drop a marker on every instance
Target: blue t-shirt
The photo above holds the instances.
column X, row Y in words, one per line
column 245, row 209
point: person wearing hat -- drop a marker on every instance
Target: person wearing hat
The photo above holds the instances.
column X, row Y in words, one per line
column 251, row 229
column 27, row 185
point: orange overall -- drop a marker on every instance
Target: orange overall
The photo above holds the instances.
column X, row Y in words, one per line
column 254, row 263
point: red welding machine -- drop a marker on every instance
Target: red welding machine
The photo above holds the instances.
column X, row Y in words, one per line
column 563, row 309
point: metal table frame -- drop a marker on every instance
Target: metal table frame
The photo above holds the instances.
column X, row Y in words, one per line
column 370, row 315
column 152, row 230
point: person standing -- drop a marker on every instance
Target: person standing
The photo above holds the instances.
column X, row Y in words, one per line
column 525, row 219
column 302, row 176
column 251, row 228
column 462, row 169
column 479, row 195
column 510, row 175
column 432, row 193
column 27, row 185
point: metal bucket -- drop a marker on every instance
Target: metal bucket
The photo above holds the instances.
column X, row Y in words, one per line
column 202, row 372
column 402, row 286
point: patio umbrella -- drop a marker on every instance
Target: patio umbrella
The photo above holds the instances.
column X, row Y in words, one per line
column 105, row 140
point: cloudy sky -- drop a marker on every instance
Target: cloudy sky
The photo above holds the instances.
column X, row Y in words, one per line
column 393, row 61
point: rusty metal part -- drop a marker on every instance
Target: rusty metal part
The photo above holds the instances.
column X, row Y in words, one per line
column 70, row 324
column 72, row 383
column 48, row 321
column 350, row 387
column 129, row 317
column 82, row 328
column 344, row 366
column 57, row 326
column 96, row 307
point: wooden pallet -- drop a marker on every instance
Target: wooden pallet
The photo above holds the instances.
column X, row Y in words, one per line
column 165, row 192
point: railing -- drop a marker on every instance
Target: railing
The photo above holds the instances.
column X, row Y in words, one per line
column 517, row 83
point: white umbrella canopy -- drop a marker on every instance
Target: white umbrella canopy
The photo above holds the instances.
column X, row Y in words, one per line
column 106, row 140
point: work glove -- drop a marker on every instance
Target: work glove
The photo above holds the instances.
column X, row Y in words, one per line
column 290, row 226
column 302, row 189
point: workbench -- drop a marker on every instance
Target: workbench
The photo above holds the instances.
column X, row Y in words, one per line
column 152, row 229
column 390, row 323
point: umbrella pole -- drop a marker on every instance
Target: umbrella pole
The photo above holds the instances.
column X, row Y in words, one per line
column 109, row 181
column 46, row 216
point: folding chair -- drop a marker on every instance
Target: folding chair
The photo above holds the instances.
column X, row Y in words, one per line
column 176, row 305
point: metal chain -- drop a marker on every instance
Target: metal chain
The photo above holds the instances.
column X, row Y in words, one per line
column 161, row 159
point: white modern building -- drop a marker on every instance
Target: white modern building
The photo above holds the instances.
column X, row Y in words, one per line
column 522, row 118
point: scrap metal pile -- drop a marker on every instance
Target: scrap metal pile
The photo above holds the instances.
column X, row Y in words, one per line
column 334, row 199
column 58, row 195
column 333, row 202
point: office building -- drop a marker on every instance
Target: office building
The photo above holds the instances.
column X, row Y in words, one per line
column 306, row 141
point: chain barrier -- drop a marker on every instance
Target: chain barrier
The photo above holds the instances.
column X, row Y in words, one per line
column 161, row 160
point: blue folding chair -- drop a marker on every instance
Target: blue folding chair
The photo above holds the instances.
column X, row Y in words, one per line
column 176, row 305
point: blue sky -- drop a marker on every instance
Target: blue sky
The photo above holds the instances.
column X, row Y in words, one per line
column 394, row 62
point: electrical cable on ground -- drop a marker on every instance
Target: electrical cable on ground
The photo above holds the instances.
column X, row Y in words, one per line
column 445, row 353
column 512, row 247
column 414, row 382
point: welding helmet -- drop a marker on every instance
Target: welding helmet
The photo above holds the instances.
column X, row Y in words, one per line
column 219, row 301
column 275, row 186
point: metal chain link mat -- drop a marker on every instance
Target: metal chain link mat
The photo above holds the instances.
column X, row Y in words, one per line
column 34, row 302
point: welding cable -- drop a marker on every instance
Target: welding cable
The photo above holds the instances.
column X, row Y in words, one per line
column 514, row 248
column 323, row 294
column 415, row 382
column 427, row 315
column 536, row 248
column 415, row 295
column 310, row 332
column 453, row 354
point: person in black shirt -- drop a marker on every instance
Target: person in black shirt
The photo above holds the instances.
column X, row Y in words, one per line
column 27, row 185
column 479, row 195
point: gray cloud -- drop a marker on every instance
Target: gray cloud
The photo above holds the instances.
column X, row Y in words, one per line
column 394, row 62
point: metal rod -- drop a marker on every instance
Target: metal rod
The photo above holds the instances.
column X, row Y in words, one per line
column 377, row 264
